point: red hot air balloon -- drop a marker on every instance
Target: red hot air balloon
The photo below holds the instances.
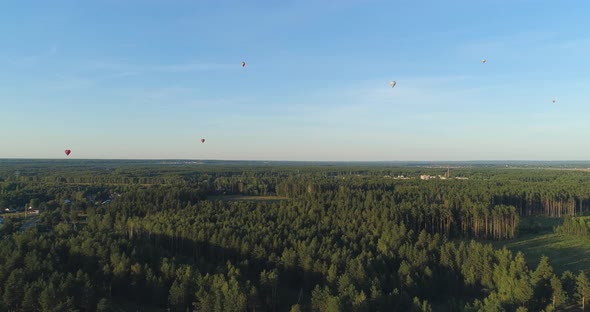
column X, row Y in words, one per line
column 67, row 152
column 202, row 140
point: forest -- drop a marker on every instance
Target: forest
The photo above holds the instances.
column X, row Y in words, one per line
column 116, row 235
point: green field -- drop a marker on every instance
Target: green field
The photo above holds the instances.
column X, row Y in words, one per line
column 564, row 252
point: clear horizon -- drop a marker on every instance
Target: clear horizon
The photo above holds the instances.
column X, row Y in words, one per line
column 148, row 79
column 435, row 161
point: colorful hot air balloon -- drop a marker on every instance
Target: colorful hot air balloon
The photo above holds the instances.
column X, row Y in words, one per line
column 67, row 152
column 202, row 140
column 243, row 64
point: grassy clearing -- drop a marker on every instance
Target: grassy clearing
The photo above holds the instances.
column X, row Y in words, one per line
column 564, row 252
column 538, row 225
column 20, row 214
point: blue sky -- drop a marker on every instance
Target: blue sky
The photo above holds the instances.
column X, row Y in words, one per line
column 150, row 78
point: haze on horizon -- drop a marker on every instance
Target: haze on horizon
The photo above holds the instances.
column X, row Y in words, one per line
column 148, row 79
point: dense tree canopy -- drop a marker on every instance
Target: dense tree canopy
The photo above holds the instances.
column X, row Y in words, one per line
column 237, row 237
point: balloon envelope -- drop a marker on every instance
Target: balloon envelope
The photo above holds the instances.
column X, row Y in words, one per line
column 483, row 61
column 392, row 84
column 202, row 140
column 243, row 64
column 67, row 152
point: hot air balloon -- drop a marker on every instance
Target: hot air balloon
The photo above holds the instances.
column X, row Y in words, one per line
column 483, row 61
column 67, row 152
column 243, row 64
column 202, row 140
column 553, row 101
column 392, row 83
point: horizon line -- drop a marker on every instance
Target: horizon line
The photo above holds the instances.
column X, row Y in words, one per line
column 286, row 160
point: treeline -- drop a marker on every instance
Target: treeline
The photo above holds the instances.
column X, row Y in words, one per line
column 553, row 199
column 550, row 193
column 579, row 226
column 59, row 269
column 475, row 208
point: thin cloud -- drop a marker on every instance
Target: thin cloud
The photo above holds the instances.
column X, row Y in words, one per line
column 122, row 74
column 69, row 83
column 166, row 68
column 35, row 59
column 189, row 67
column 496, row 47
